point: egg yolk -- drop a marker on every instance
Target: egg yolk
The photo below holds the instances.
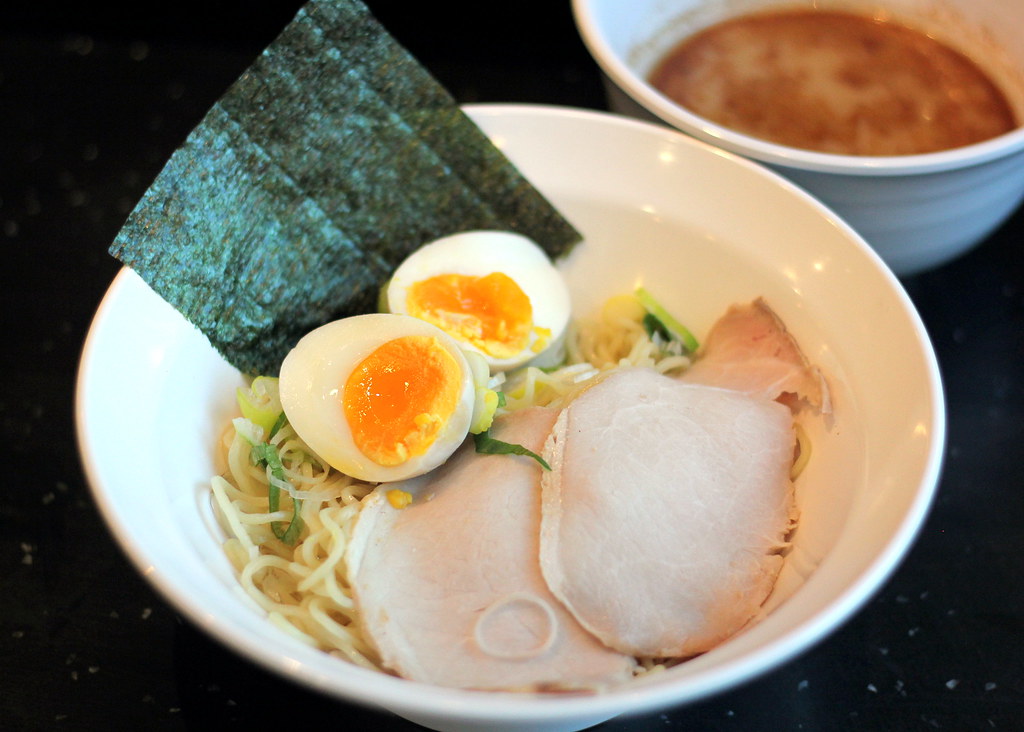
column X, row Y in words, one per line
column 490, row 312
column 398, row 399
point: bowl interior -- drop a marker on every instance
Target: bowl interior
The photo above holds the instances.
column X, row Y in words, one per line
column 698, row 227
column 628, row 41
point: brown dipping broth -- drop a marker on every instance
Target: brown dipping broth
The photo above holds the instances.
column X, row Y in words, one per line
column 834, row 82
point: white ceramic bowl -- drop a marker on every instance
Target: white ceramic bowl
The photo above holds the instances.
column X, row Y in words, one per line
column 699, row 227
column 917, row 211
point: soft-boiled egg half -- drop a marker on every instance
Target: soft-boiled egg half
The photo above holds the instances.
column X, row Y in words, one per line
column 495, row 292
column 380, row 397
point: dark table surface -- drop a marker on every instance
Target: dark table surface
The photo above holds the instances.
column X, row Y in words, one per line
column 94, row 100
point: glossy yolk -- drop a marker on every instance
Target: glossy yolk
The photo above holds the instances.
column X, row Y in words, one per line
column 398, row 399
column 489, row 312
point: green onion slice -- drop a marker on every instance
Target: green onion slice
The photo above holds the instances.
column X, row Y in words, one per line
column 261, row 402
column 671, row 326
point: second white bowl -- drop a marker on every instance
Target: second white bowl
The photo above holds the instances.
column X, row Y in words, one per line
column 916, row 211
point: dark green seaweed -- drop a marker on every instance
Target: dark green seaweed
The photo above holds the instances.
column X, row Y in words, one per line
column 329, row 160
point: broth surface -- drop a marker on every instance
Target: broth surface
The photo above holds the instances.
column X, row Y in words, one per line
column 834, row 82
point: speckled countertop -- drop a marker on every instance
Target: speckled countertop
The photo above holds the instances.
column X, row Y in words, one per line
column 93, row 101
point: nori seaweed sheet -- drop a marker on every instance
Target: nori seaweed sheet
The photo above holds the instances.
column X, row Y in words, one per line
column 323, row 166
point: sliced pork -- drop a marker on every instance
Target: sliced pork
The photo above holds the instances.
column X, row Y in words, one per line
column 665, row 511
column 449, row 588
column 750, row 350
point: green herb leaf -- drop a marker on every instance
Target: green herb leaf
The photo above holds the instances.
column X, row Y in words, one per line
column 282, row 420
column 266, row 454
column 487, row 445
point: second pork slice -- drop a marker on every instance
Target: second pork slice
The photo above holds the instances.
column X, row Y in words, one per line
column 665, row 511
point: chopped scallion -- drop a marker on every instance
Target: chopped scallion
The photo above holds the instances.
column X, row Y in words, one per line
column 261, row 402
column 672, row 327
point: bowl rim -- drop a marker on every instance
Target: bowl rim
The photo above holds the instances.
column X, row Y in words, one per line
column 633, row 85
column 417, row 700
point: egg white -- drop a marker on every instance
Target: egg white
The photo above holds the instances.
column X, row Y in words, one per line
column 480, row 253
column 313, row 377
